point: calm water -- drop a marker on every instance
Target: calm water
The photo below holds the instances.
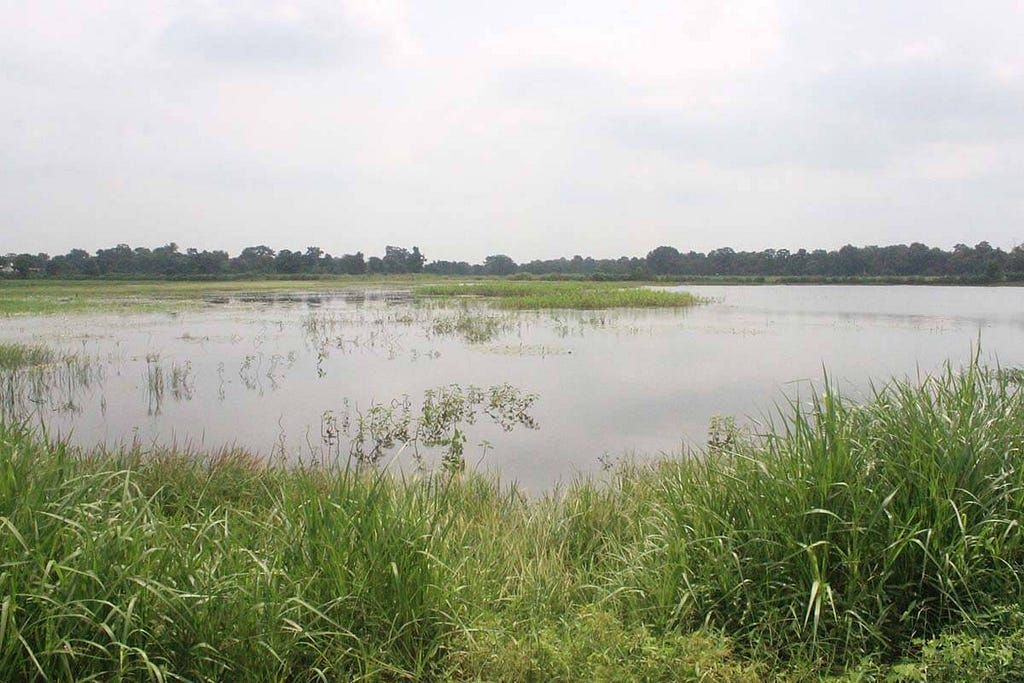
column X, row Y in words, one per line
column 261, row 373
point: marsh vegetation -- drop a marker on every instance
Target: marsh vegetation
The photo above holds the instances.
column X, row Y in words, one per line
column 361, row 524
column 881, row 539
column 582, row 295
column 36, row 380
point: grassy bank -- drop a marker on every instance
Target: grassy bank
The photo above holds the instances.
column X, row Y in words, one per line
column 539, row 295
column 879, row 541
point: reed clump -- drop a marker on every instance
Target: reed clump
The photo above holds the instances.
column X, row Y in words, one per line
column 18, row 356
column 32, row 376
column 878, row 540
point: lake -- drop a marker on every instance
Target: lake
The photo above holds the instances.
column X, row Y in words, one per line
column 278, row 374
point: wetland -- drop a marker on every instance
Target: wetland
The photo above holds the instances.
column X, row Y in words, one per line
column 394, row 482
column 308, row 373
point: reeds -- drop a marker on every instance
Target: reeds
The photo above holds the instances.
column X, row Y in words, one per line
column 33, row 376
column 853, row 537
column 17, row 356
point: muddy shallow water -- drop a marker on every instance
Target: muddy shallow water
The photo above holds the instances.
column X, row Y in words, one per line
column 262, row 371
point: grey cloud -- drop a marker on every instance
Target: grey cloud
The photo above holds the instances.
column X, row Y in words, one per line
column 755, row 141
column 559, row 85
column 854, row 119
column 926, row 100
column 881, row 121
column 262, row 42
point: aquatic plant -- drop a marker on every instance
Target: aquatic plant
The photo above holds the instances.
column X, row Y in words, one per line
column 33, row 377
column 16, row 356
column 440, row 423
column 472, row 326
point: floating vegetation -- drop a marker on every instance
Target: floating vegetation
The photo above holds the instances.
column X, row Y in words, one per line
column 563, row 295
column 441, row 422
column 541, row 350
column 429, row 354
column 188, row 337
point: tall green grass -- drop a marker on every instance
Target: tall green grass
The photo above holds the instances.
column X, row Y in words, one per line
column 850, row 531
column 33, row 375
column 882, row 538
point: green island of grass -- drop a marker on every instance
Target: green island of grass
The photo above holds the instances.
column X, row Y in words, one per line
column 873, row 541
column 540, row 295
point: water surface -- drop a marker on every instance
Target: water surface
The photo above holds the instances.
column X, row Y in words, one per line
column 261, row 372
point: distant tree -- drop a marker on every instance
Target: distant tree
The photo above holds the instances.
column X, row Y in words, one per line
column 288, row 262
column 499, row 264
column 415, row 261
column 401, row 260
column 848, row 262
column 1015, row 262
column 351, row 264
column 256, row 259
column 448, row 268
column 311, row 259
column 30, row 264
column 663, row 260
column 207, row 262
column 395, row 260
column 115, row 260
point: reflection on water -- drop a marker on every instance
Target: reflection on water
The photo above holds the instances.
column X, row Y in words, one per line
column 276, row 372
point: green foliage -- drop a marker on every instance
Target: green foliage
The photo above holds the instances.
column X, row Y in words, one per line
column 872, row 541
column 988, row 658
column 593, row 645
column 537, row 295
column 473, row 327
column 850, row 529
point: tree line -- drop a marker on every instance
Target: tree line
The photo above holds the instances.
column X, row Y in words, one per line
column 170, row 262
column 980, row 263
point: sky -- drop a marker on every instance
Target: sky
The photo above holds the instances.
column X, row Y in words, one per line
column 535, row 129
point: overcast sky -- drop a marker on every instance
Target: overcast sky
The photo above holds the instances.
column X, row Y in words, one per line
column 535, row 129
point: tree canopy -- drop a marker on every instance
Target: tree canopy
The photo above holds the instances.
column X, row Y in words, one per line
column 980, row 263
